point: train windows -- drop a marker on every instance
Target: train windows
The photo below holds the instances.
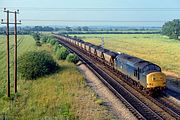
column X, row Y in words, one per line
column 151, row 67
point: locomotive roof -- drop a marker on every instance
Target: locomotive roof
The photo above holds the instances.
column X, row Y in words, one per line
column 144, row 63
column 133, row 61
column 129, row 58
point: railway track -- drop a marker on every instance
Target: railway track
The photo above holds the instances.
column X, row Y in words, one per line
column 171, row 107
column 168, row 109
column 142, row 109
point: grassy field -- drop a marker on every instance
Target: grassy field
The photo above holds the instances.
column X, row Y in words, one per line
column 63, row 95
column 25, row 43
column 155, row 48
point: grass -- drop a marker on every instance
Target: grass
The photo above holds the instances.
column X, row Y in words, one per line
column 63, row 95
column 24, row 42
column 155, row 48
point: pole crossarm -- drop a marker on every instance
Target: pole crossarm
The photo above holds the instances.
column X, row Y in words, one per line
column 17, row 12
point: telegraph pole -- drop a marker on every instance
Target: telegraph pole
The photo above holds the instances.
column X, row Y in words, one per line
column 7, row 51
column 15, row 50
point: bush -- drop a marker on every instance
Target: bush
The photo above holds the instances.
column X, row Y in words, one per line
column 56, row 47
column 44, row 38
column 62, row 53
column 32, row 65
column 48, row 40
column 38, row 43
column 72, row 58
column 36, row 36
column 57, row 43
column 52, row 41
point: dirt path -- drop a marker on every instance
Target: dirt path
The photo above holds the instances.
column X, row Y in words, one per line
column 173, row 81
column 171, row 74
column 115, row 105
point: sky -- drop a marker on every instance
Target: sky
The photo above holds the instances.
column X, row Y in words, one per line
column 93, row 12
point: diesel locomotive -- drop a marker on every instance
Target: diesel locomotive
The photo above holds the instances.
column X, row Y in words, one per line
column 143, row 74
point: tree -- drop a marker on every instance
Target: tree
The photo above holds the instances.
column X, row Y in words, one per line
column 47, row 28
column 44, row 38
column 41, row 28
column 37, row 28
column 72, row 58
column 171, row 28
column 37, row 37
column 62, row 53
column 78, row 28
column 85, row 28
column 68, row 28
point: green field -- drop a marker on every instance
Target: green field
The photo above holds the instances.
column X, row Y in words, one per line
column 63, row 95
column 155, row 48
column 24, row 44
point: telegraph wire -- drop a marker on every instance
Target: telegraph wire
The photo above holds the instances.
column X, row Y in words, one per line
column 96, row 9
column 112, row 21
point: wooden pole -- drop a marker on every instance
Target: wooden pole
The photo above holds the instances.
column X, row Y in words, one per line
column 7, row 57
column 15, row 50
column 15, row 53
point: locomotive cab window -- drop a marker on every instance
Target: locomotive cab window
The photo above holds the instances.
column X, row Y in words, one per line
column 151, row 68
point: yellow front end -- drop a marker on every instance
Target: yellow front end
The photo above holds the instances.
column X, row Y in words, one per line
column 156, row 80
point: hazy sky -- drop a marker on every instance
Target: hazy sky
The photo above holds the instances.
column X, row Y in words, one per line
column 94, row 12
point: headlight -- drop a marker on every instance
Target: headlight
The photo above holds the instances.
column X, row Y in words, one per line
column 150, row 84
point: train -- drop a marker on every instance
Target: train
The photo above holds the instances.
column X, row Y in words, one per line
column 143, row 74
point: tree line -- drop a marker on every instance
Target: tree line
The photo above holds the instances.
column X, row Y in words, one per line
column 30, row 30
column 170, row 28
column 80, row 30
column 109, row 32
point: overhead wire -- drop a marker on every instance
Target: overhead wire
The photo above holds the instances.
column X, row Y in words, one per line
column 92, row 9
column 112, row 21
column 83, row 9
